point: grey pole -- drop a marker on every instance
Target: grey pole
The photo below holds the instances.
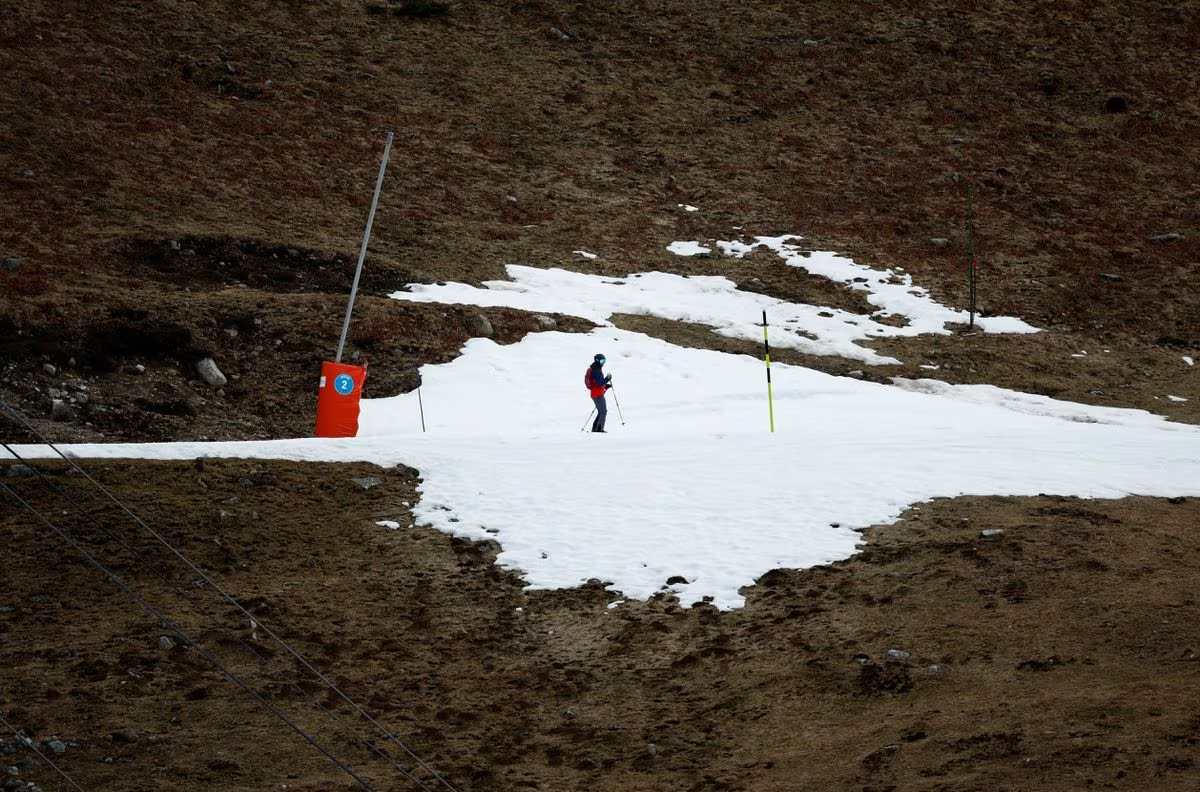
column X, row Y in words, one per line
column 362, row 252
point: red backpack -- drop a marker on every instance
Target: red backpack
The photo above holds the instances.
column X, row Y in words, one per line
column 588, row 382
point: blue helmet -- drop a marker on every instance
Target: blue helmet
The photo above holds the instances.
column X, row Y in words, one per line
column 599, row 358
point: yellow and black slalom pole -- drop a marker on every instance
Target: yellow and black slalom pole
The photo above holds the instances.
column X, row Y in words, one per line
column 767, row 357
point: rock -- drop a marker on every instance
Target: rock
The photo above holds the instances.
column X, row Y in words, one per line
column 60, row 411
column 124, row 736
column 545, row 322
column 1168, row 237
column 56, row 745
column 479, row 326
column 208, row 371
column 49, row 369
column 19, row 471
column 677, row 580
column 165, row 643
column 939, row 241
column 855, row 373
column 1110, row 277
column 1116, row 104
column 896, row 654
column 11, row 264
column 990, row 533
column 367, row 482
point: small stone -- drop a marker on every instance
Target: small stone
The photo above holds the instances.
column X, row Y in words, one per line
column 990, row 533
column 60, row 411
column 11, row 264
column 124, row 736
column 1108, row 276
column 1116, row 104
column 855, row 373
column 896, row 654
column 49, row 369
column 480, row 326
column 677, row 580
column 208, row 371
column 56, row 745
column 1168, row 237
column 939, row 241
column 165, row 643
column 366, row 482
column 19, row 471
column 545, row 322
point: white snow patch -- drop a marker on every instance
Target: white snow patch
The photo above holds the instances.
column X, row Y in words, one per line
column 687, row 248
column 678, row 490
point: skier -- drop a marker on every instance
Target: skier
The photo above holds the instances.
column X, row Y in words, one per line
column 597, row 384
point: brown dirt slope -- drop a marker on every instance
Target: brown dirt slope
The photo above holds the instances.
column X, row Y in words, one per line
column 1057, row 655
column 191, row 179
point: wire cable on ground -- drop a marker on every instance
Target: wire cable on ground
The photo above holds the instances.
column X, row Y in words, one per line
column 233, row 601
column 32, row 746
column 213, row 619
column 184, row 637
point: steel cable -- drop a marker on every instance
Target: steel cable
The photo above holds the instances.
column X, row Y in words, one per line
column 286, row 647
column 215, row 620
column 170, row 625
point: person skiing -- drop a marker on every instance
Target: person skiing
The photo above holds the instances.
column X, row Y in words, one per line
column 597, row 384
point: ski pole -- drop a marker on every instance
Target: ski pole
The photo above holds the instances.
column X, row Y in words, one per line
column 585, row 423
column 618, row 402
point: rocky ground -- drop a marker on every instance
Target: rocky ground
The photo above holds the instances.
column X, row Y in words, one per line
column 188, row 181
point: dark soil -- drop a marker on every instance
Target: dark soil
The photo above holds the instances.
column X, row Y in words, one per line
column 191, row 180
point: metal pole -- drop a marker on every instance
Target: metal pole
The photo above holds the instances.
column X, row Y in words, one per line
column 589, row 420
column 767, row 357
column 362, row 252
column 422, row 406
column 971, row 251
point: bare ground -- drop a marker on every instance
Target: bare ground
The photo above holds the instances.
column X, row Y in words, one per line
column 184, row 180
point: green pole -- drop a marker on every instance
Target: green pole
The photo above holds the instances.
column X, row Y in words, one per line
column 767, row 357
column 971, row 251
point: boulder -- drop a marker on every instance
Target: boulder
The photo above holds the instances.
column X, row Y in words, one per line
column 208, row 371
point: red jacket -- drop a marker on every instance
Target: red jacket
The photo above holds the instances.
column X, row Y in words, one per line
column 595, row 380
